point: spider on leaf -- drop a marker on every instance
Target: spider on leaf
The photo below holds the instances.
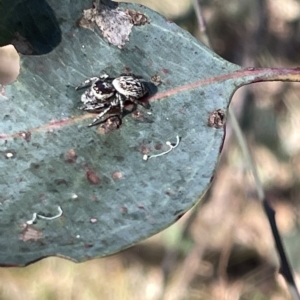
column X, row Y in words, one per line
column 106, row 93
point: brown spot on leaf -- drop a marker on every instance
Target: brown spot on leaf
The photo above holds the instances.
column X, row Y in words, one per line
column 145, row 150
column 34, row 166
column 60, row 182
column 30, row 233
column 87, row 20
column 92, row 177
column 70, row 156
column 138, row 115
column 94, row 198
column 156, row 80
column 137, row 18
column 124, row 210
column 216, row 119
column 158, row 146
column 26, row 135
column 127, row 70
column 112, row 123
column 169, row 193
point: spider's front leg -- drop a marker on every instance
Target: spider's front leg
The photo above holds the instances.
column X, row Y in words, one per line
column 89, row 82
column 86, row 83
column 100, row 116
column 93, row 106
column 117, row 102
column 120, row 100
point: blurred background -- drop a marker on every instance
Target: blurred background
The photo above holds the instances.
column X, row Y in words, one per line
column 223, row 248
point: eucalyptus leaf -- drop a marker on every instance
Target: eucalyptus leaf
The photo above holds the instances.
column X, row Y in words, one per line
column 110, row 197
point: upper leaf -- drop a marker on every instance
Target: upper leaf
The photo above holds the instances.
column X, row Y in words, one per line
column 110, row 197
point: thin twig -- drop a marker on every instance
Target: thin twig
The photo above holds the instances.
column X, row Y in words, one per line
column 201, row 23
column 246, row 153
column 285, row 268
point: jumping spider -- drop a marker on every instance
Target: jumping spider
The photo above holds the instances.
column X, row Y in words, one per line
column 106, row 93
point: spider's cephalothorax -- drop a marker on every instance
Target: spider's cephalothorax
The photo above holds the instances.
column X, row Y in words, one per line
column 105, row 93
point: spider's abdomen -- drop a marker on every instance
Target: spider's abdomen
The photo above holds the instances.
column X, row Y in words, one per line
column 129, row 86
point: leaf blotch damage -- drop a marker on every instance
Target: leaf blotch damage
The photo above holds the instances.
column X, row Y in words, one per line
column 216, row 119
column 26, row 135
column 137, row 18
column 70, row 156
column 92, row 177
column 165, row 71
column 156, row 80
column 111, row 124
column 114, row 23
column 140, row 116
column 124, row 210
column 145, row 149
column 30, row 233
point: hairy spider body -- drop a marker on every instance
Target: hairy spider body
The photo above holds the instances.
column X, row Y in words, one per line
column 105, row 93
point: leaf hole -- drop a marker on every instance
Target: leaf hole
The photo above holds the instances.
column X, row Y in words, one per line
column 9, row 64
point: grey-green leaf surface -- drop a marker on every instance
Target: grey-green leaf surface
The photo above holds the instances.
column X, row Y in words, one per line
column 110, row 197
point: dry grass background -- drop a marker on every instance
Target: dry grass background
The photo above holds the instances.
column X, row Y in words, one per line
column 224, row 249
